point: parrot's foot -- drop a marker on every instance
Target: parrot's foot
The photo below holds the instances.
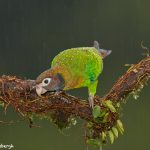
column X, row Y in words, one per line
column 56, row 93
column 91, row 100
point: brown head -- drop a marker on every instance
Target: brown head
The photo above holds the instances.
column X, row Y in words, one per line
column 49, row 81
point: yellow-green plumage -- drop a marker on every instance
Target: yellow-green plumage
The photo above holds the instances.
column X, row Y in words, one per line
column 74, row 68
column 80, row 67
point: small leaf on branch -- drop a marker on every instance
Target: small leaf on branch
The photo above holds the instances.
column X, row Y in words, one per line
column 115, row 132
column 111, row 136
column 96, row 111
column 120, row 126
column 109, row 105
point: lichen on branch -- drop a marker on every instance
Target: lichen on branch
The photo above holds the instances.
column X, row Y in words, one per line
column 63, row 109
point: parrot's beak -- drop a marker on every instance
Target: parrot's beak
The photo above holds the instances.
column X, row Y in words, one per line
column 40, row 90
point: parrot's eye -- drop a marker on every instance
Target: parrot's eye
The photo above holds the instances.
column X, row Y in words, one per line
column 46, row 81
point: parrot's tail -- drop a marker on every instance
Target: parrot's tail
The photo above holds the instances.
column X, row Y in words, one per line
column 103, row 52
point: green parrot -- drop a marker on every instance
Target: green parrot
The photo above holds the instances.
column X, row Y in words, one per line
column 74, row 68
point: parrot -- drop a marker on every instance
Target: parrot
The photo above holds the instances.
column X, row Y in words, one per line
column 73, row 68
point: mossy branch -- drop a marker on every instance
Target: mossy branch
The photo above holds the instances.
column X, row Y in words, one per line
column 63, row 108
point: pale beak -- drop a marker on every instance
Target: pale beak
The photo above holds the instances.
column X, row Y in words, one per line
column 40, row 90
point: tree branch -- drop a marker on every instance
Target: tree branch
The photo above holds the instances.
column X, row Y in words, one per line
column 63, row 108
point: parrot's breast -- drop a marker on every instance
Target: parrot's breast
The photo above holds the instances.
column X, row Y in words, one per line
column 78, row 66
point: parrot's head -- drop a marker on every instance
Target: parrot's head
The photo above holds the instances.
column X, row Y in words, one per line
column 49, row 81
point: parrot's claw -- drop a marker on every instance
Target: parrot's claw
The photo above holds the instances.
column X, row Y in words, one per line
column 91, row 101
column 56, row 93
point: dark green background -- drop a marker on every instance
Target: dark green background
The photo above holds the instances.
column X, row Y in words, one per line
column 32, row 32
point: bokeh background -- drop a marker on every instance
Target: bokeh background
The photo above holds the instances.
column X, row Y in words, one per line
column 32, row 32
